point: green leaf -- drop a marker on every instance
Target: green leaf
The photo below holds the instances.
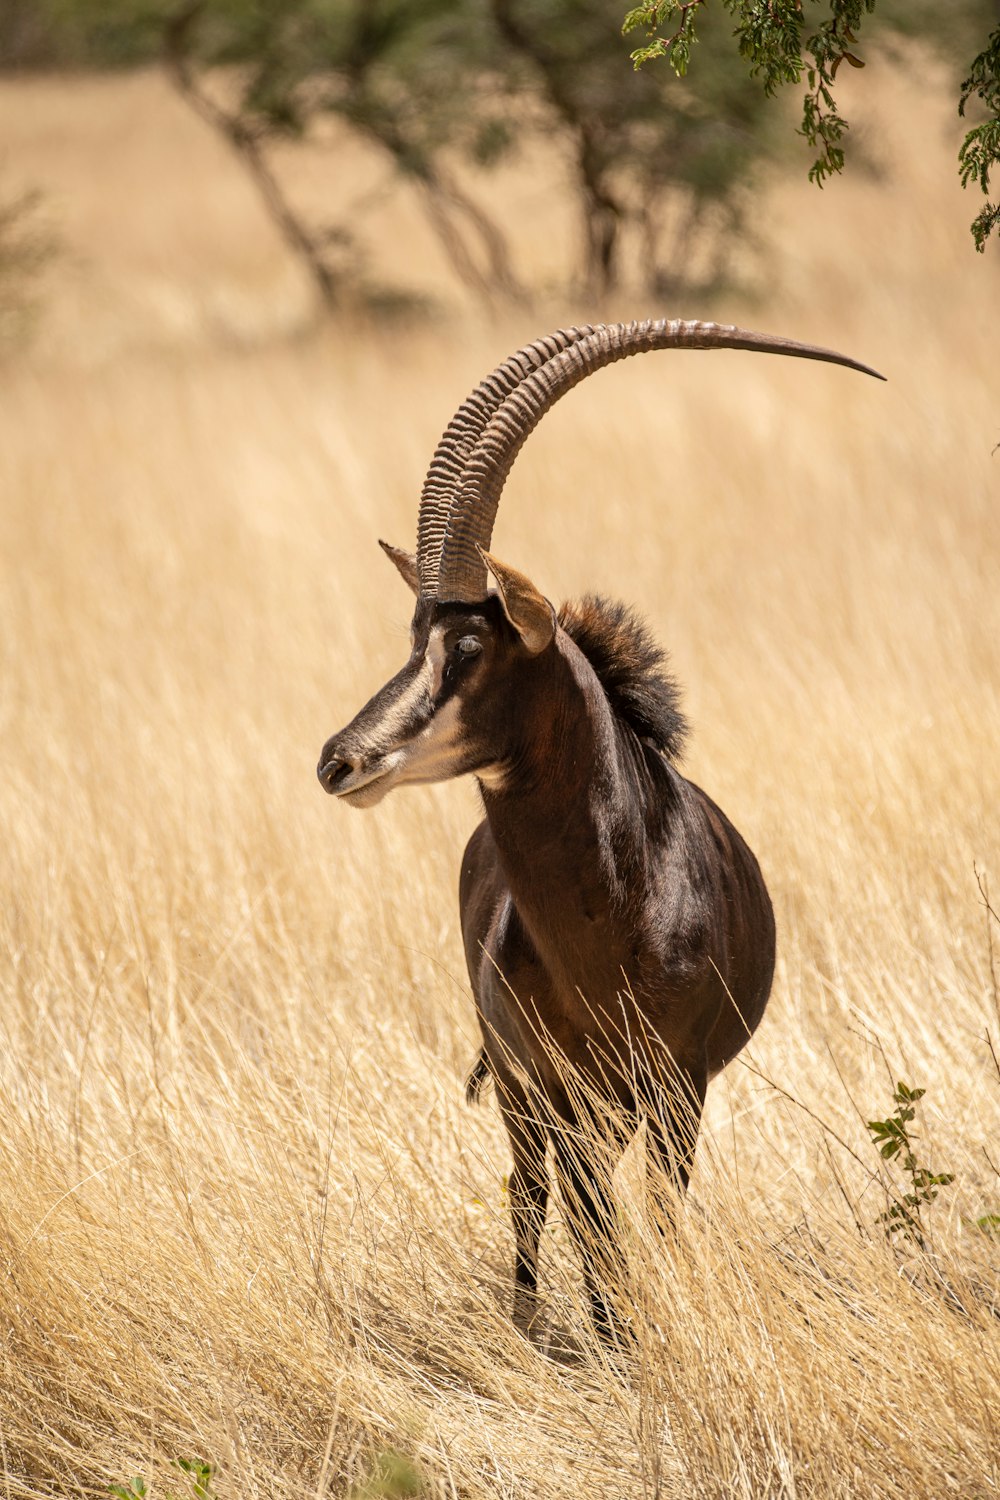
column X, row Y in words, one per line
column 984, row 224
column 904, row 1094
column 200, row 1475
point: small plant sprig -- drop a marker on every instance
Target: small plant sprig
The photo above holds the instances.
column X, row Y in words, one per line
column 893, row 1138
column 199, row 1474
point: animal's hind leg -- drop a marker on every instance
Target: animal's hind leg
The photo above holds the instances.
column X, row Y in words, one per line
column 528, row 1188
column 673, row 1115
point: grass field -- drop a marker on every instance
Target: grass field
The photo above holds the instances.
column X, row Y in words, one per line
column 245, row 1216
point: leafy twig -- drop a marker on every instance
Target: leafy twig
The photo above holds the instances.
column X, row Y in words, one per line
column 893, row 1138
column 773, row 39
column 980, row 151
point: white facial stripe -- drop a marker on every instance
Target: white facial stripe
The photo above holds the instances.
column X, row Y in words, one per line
column 432, row 754
column 435, row 655
column 398, row 715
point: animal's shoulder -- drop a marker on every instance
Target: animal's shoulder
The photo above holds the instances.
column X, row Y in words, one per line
column 631, row 667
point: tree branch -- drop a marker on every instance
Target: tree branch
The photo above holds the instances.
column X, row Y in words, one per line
column 246, row 142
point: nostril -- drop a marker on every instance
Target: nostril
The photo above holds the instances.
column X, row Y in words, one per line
column 332, row 772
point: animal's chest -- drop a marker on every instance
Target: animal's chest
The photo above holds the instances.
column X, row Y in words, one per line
column 576, row 984
column 588, row 982
column 522, row 994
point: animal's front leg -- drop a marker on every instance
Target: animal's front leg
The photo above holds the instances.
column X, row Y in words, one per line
column 528, row 1188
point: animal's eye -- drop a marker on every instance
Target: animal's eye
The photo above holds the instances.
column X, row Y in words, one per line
column 468, row 646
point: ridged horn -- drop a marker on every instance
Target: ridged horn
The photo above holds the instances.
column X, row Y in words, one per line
column 469, row 524
column 459, row 439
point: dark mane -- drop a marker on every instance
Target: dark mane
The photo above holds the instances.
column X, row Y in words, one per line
column 631, row 667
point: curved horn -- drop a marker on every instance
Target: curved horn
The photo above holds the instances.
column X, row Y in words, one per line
column 469, row 525
column 459, row 439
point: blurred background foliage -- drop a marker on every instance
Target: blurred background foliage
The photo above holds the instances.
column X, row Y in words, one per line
column 782, row 42
column 661, row 168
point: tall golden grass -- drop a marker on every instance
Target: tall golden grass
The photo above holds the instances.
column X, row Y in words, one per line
column 245, row 1215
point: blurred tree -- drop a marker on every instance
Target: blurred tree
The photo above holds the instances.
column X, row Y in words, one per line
column 402, row 73
column 779, row 44
column 642, row 154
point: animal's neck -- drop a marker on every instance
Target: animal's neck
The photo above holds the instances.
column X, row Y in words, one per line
column 568, row 814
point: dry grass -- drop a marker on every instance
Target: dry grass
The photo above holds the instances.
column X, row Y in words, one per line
column 244, row 1214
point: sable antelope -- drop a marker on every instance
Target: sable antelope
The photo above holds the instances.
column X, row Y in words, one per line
column 617, row 928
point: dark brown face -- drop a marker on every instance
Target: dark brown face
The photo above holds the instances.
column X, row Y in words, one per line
column 432, row 721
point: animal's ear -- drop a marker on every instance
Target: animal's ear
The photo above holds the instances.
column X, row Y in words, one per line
column 530, row 613
column 405, row 562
